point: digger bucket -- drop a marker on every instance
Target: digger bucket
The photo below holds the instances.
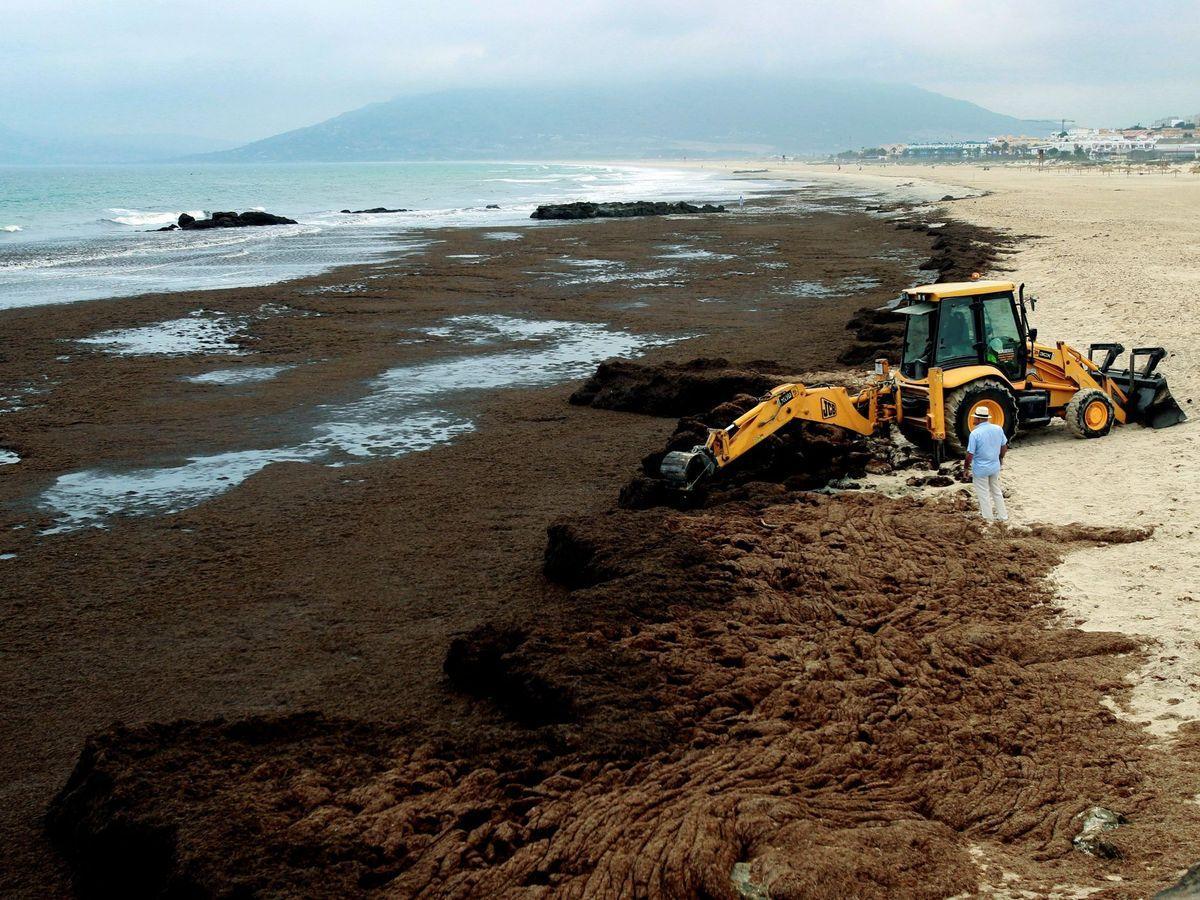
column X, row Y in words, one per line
column 1148, row 399
column 685, row 470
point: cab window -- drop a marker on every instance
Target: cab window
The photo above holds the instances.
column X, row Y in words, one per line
column 916, row 339
column 1002, row 337
column 956, row 331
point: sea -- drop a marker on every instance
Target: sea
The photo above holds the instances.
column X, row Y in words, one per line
column 71, row 233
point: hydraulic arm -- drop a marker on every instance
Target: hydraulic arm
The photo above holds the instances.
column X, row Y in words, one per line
column 863, row 413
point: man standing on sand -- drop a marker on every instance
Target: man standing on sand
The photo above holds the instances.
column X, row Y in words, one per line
column 985, row 455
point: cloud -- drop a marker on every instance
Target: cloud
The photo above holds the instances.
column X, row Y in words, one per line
column 246, row 69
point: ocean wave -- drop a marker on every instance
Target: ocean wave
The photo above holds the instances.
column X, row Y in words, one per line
column 185, row 242
column 11, row 229
column 139, row 217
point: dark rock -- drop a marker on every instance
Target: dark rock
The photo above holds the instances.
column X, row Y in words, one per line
column 254, row 217
column 166, row 228
column 948, row 197
column 232, row 220
column 374, row 209
column 492, row 206
column 1098, row 821
column 620, row 210
column 930, row 481
column 1187, row 886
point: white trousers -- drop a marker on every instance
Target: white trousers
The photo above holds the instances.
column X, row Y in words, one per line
column 990, row 497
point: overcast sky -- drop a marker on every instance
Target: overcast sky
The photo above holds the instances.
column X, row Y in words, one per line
column 244, row 69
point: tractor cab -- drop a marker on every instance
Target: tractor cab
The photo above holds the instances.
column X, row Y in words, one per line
column 971, row 323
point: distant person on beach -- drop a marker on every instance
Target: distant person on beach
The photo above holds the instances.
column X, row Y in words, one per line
column 985, row 456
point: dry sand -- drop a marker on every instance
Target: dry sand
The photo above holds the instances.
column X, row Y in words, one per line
column 1112, row 257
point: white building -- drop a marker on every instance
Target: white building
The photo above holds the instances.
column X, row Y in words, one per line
column 1098, row 142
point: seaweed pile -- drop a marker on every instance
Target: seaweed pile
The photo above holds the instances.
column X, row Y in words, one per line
column 831, row 696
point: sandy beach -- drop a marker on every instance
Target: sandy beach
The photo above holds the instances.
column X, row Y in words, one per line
column 478, row 669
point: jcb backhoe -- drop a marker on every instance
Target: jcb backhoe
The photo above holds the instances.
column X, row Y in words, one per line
column 966, row 344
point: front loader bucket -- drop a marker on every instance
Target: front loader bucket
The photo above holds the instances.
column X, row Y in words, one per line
column 1153, row 405
column 1148, row 400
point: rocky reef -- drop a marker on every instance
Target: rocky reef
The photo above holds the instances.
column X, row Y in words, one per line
column 620, row 210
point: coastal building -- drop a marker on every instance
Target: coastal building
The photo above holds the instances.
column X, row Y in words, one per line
column 947, row 150
column 1180, row 150
column 1097, row 143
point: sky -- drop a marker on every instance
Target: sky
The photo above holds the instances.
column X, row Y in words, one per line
column 245, row 69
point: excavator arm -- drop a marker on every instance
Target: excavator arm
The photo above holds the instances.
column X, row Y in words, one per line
column 786, row 403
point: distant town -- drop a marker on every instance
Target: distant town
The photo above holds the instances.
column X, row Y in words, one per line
column 1172, row 139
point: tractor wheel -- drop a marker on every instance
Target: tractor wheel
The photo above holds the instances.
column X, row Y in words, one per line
column 1089, row 414
column 961, row 402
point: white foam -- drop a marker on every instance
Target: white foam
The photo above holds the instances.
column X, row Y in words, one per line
column 648, row 277
column 595, row 263
column 503, row 235
column 11, row 229
column 247, row 375
column 399, row 414
column 360, row 437
column 8, row 458
column 840, row 287
column 200, row 332
column 491, row 329
column 142, row 218
column 680, row 251
column 89, row 497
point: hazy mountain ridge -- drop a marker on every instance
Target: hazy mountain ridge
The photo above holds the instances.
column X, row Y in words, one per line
column 719, row 118
column 18, row 148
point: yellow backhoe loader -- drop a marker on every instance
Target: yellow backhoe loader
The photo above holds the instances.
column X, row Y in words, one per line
column 966, row 344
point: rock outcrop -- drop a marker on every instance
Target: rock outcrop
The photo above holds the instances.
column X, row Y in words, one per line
column 374, row 209
column 247, row 219
column 620, row 210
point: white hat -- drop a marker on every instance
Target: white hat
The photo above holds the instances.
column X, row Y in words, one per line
column 981, row 412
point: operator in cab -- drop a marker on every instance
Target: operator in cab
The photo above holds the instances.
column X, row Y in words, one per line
column 985, row 456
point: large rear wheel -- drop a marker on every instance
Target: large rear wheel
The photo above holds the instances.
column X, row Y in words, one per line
column 992, row 394
column 1089, row 414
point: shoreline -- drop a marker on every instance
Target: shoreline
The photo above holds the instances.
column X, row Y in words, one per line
column 78, row 259
column 183, row 615
column 408, row 543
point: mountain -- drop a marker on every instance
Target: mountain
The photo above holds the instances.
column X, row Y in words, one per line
column 708, row 118
column 18, row 148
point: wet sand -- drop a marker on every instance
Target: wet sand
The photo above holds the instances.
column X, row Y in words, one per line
column 310, row 587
